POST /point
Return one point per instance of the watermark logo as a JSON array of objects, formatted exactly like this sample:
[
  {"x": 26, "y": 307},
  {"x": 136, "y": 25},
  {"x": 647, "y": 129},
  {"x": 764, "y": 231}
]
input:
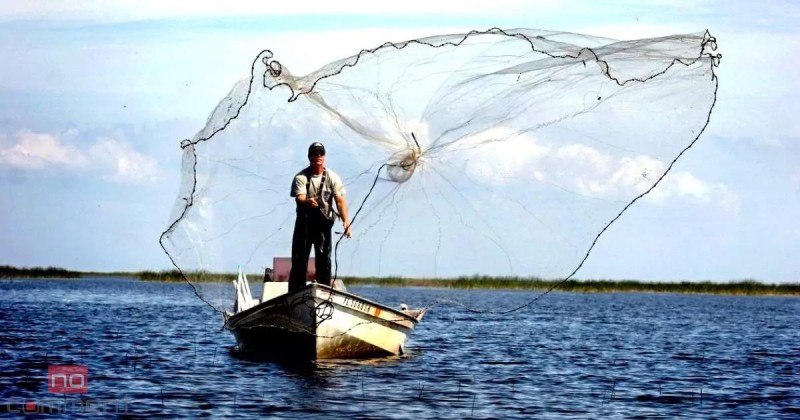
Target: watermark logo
[
  {"x": 67, "y": 379},
  {"x": 57, "y": 405}
]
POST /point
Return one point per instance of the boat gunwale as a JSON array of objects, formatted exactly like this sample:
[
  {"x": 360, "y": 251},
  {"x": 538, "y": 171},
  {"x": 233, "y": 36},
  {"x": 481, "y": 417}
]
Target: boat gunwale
[{"x": 235, "y": 318}]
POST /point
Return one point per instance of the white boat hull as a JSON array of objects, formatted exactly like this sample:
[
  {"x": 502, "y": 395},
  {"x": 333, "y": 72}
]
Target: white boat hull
[{"x": 318, "y": 322}]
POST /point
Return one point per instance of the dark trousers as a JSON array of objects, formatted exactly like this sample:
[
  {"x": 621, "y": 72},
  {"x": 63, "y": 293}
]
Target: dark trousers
[{"x": 310, "y": 228}]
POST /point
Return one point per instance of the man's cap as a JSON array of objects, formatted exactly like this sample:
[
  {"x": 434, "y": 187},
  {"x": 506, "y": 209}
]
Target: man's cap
[{"x": 316, "y": 147}]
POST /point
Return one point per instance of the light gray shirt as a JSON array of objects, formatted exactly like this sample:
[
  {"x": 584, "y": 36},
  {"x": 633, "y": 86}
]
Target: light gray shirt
[{"x": 333, "y": 188}]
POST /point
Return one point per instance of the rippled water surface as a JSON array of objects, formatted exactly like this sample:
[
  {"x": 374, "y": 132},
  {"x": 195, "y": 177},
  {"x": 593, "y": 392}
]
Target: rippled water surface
[{"x": 154, "y": 348}]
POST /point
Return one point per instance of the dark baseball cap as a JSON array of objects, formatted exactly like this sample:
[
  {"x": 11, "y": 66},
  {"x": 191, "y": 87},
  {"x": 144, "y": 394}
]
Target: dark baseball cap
[{"x": 316, "y": 147}]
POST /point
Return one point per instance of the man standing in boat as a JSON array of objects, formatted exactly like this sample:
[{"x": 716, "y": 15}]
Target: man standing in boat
[{"x": 314, "y": 189}]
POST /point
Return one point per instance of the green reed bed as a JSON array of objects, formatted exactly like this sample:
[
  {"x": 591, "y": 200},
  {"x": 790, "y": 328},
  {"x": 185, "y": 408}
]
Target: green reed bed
[
  {"x": 177, "y": 276},
  {"x": 7, "y": 271},
  {"x": 742, "y": 287},
  {"x": 194, "y": 276}
]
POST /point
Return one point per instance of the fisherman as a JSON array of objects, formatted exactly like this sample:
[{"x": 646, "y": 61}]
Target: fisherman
[{"x": 314, "y": 189}]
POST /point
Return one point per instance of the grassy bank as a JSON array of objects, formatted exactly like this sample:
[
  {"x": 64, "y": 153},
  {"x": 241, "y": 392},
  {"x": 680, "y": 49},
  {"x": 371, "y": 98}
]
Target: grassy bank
[
  {"x": 175, "y": 276},
  {"x": 7, "y": 271},
  {"x": 741, "y": 287},
  {"x": 196, "y": 276}
]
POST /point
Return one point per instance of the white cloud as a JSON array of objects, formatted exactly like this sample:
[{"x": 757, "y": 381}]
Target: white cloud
[
  {"x": 111, "y": 160},
  {"x": 35, "y": 151},
  {"x": 683, "y": 185},
  {"x": 689, "y": 186},
  {"x": 584, "y": 155},
  {"x": 126, "y": 164},
  {"x": 594, "y": 173},
  {"x": 637, "y": 174},
  {"x": 500, "y": 154}
]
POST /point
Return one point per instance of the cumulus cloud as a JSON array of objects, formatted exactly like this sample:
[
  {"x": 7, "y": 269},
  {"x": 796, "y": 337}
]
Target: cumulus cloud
[
  {"x": 597, "y": 174},
  {"x": 112, "y": 160},
  {"x": 40, "y": 150},
  {"x": 498, "y": 155},
  {"x": 683, "y": 186},
  {"x": 637, "y": 173},
  {"x": 122, "y": 163},
  {"x": 515, "y": 152}
]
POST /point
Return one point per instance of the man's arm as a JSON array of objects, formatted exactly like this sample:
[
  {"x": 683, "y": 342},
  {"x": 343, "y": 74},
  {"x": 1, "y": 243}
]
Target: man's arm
[
  {"x": 341, "y": 205},
  {"x": 299, "y": 192},
  {"x": 302, "y": 200}
]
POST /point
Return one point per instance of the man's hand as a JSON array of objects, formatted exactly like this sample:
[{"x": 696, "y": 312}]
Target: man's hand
[
  {"x": 312, "y": 202},
  {"x": 348, "y": 232}
]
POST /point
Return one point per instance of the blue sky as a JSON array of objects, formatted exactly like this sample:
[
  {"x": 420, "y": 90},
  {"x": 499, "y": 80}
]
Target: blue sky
[{"x": 95, "y": 99}]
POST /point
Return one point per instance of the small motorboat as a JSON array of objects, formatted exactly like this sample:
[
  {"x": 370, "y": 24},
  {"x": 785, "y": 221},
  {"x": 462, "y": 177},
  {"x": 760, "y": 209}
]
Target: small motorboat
[{"x": 315, "y": 322}]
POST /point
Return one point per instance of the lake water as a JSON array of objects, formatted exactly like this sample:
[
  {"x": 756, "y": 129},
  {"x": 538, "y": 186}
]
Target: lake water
[{"x": 154, "y": 348}]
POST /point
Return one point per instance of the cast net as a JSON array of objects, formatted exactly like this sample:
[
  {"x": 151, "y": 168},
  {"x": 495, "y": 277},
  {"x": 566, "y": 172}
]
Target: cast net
[{"x": 499, "y": 153}]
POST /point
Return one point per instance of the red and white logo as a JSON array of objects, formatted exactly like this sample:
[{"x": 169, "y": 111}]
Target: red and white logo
[{"x": 67, "y": 379}]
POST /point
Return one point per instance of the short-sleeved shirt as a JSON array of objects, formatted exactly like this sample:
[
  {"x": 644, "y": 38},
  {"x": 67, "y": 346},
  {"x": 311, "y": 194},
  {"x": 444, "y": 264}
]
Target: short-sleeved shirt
[{"x": 333, "y": 188}]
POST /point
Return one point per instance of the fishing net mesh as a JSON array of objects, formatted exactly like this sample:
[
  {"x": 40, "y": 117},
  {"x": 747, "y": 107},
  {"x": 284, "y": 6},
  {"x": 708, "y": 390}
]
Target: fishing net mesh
[{"x": 500, "y": 153}]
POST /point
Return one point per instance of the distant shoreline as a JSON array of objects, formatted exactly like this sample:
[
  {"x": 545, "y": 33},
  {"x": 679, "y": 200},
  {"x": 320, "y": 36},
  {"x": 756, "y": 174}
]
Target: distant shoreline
[{"x": 738, "y": 287}]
